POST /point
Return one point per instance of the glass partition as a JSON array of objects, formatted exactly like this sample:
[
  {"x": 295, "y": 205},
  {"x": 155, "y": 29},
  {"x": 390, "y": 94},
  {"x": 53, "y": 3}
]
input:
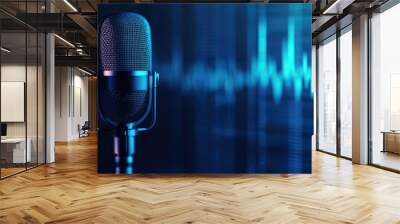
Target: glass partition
[
  {"x": 22, "y": 89},
  {"x": 14, "y": 145}
]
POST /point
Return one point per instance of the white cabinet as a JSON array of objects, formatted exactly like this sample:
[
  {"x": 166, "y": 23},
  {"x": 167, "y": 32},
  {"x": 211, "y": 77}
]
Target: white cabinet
[{"x": 19, "y": 155}]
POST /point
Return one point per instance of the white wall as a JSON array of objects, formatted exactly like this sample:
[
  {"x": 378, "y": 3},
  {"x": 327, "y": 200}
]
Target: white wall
[
  {"x": 62, "y": 82},
  {"x": 80, "y": 111},
  {"x": 71, "y": 102}
]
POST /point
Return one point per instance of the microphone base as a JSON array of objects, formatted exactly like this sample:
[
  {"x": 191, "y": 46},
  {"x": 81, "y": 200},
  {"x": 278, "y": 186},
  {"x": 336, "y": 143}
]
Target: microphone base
[{"x": 124, "y": 150}]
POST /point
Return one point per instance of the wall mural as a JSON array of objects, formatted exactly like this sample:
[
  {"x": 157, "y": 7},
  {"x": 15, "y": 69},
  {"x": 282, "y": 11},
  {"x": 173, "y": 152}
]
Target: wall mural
[{"x": 204, "y": 88}]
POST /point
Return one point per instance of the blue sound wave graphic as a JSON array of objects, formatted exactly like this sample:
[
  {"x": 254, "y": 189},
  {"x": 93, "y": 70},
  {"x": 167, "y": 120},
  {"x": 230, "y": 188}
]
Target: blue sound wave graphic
[
  {"x": 235, "y": 89},
  {"x": 293, "y": 75}
]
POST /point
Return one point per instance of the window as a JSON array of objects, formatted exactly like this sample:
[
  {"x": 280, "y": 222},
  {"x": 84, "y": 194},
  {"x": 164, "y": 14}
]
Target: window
[
  {"x": 346, "y": 92},
  {"x": 327, "y": 96},
  {"x": 385, "y": 89}
]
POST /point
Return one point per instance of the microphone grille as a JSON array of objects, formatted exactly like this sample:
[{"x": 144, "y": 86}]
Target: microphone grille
[{"x": 125, "y": 43}]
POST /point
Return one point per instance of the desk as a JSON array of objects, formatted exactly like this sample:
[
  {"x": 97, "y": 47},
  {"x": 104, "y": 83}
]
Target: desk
[
  {"x": 391, "y": 141},
  {"x": 16, "y": 147}
]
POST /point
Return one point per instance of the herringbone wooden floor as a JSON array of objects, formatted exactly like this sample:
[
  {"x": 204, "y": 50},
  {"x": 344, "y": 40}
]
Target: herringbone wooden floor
[{"x": 70, "y": 191}]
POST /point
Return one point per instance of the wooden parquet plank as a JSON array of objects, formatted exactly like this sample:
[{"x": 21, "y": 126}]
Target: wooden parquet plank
[{"x": 70, "y": 191}]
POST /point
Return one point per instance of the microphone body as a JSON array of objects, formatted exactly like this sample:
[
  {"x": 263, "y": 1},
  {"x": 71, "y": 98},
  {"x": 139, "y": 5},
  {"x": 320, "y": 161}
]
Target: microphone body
[{"x": 127, "y": 84}]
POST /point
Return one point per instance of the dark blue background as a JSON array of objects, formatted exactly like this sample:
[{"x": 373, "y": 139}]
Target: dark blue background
[{"x": 235, "y": 89}]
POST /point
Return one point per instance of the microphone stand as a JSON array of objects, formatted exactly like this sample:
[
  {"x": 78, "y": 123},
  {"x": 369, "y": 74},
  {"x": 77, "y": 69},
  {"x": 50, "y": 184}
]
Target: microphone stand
[{"x": 124, "y": 153}]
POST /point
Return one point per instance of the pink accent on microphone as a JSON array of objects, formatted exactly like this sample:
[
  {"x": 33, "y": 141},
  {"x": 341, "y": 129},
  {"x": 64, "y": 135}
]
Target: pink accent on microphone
[
  {"x": 116, "y": 145},
  {"x": 108, "y": 73}
]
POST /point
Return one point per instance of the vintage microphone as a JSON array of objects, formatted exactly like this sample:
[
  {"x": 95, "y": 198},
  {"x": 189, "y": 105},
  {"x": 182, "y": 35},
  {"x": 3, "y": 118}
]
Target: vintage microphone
[{"x": 127, "y": 83}]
